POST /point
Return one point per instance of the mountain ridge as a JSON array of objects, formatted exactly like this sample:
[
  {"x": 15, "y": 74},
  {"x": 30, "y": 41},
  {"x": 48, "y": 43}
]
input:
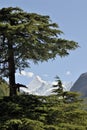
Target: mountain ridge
[
  {"x": 80, "y": 85},
  {"x": 40, "y": 87}
]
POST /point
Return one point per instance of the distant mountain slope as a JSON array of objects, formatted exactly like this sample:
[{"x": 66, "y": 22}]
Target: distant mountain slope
[
  {"x": 81, "y": 85},
  {"x": 4, "y": 90}
]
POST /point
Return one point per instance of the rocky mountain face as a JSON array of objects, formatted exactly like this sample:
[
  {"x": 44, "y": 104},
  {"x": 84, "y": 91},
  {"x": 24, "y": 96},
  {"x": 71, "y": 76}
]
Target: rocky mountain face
[{"x": 81, "y": 85}]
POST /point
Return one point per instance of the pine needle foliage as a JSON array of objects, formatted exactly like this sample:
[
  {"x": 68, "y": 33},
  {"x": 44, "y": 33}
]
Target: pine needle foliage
[
  {"x": 32, "y": 112},
  {"x": 28, "y": 37}
]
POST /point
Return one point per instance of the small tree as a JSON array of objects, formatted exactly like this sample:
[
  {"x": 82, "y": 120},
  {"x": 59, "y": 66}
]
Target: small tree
[
  {"x": 67, "y": 96},
  {"x": 27, "y": 36},
  {"x": 58, "y": 87}
]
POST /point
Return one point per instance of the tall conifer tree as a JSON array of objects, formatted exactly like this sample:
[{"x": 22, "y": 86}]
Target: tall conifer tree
[{"x": 28, "y": 36}]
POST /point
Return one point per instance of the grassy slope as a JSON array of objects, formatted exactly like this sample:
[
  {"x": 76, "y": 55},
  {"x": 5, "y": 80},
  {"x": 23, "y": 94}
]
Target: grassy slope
[{"x": 4, "y": 90}]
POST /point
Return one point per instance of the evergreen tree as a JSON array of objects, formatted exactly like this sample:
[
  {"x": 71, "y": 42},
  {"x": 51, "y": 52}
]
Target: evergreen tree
[
  {"x": 32, "y": 112},
  {"x": 58, "y": 87},
  {"x": 67, "y": 96},
  {"x": 28, "y": 36}
]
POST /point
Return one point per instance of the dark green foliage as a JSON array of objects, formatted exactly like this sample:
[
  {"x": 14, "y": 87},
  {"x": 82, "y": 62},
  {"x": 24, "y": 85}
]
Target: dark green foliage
[
  {"x": 29, "y": 112},
  {"x": 28, "y": 36},
  {"x": 68, "y": 97},
  {"x": 58, "y": 88},
  {"x": 68, "y": 126},
  {"x": 23, "y": 124}
]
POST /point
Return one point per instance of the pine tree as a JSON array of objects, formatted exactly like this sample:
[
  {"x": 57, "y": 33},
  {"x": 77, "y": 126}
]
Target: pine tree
[
  {"x": 58, "y": 87},
  {"x": 28, "y": 36}
]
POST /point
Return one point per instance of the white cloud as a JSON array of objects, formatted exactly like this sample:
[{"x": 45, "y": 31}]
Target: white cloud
[
  {"x": 23, "y": 73},
  {"x": 68, "y": 73},
  {"x": 28, "y": 74}
]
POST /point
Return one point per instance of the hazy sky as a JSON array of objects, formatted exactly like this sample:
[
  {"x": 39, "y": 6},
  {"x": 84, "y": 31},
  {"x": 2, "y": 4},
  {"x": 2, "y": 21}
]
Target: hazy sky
[{"x": 71, "y": 16}]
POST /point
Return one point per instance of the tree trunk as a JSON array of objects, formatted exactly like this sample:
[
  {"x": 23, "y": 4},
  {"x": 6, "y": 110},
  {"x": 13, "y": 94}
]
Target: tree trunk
[{"x": 11, "y": 69}]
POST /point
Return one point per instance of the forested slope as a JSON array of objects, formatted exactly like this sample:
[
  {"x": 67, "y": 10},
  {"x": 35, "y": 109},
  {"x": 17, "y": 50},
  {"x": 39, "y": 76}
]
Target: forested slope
[
  {"x": 4, "y": 89},
  {"x": 30, "y": 112}
]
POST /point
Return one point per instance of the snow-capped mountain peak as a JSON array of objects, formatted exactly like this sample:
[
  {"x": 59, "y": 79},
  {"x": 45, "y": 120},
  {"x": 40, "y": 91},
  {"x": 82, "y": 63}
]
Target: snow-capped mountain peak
[{"x": 40, "y": 87}]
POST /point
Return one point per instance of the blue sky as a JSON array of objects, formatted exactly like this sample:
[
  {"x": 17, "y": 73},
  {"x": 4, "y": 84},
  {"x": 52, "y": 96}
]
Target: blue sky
[{"x": 71, "y": 16}]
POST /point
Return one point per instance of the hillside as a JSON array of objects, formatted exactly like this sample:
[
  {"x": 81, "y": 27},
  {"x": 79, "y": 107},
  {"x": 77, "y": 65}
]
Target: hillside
[
  {"x": 29, "y": 112},
  {"x": 32, "y": 112},
  {"x": 4, "y": 90},
  {"x": 81, "y": 85}
]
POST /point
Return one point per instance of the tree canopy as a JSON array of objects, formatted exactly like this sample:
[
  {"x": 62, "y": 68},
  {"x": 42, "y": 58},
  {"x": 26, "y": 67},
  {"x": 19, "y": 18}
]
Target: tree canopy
[
  {"x": 28, "y": 36},
  {"x": 32, "y": 112}
]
